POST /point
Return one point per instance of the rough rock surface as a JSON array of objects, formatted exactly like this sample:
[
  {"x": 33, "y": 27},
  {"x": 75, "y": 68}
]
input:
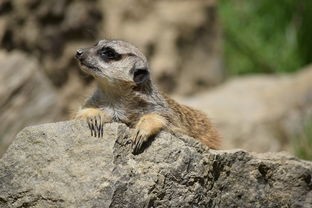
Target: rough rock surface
[
  {"x": 61, "y": 165},
  {"x": 27, "y": 96},
  {"x": 259, "y": 113}
]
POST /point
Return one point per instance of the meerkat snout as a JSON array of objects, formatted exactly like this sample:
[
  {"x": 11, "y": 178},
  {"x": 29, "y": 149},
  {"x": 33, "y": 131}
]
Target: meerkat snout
[{"x": 79, "y": 52}]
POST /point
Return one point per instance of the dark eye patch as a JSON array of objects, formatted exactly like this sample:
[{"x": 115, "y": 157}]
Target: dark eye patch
[{"x": 109, "y": 54}]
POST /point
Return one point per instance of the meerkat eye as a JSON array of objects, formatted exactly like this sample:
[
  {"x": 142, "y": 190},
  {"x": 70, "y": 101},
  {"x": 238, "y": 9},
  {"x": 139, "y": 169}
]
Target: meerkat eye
[{"x": 108, "y": 53}]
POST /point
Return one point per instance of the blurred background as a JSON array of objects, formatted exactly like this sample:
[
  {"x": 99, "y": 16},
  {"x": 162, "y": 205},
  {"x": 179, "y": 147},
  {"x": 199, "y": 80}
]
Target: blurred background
[{"x": 244, "y": 62}]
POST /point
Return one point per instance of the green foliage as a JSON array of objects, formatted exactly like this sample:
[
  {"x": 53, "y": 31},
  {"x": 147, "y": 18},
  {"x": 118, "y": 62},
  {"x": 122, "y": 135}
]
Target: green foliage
[
  {"x": 266, "y": 36},
  {"x": 303, "y": 144}
]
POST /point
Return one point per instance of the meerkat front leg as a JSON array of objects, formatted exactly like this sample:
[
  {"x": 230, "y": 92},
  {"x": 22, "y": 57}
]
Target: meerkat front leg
[
  {"x": 148, "y": 125},
  {"x": 95, "y": 118}
]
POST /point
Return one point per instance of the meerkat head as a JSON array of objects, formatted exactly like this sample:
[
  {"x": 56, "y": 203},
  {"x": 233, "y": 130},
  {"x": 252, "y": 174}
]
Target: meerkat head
[{"x": 114, "y": 61}]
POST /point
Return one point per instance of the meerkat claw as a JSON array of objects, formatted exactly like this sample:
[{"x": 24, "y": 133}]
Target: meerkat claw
[
  {"x": 95, "y": 118},
  {"x": 137, "y": 141},
  {"x": 96, "y": 126},
  {"x": 99, "y": 126},
  {"x": 90, "y": 122}
]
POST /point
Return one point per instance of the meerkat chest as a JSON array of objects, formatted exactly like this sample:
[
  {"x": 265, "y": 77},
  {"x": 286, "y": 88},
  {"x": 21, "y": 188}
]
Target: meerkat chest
[
  {"x": 122, "y": 114},
  {"x": 124, "y": 110},
  {"x": 117, "y": 114}
]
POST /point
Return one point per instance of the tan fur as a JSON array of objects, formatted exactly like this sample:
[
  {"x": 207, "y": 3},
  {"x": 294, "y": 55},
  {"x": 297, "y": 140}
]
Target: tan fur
[
  {"x": 151, "y": 123},
  {"x": 85, "y": 113},
  {"x": 124, "y": 96},
  {"x": 196, "y": 124},
  {"x": 148, "y": 125}
]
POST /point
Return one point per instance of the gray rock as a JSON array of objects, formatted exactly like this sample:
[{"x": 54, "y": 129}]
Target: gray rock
[
  {"x": 27, "y": 96},
  {"x": 61, "y": 165},
  {"x": 261, "y": 112}
]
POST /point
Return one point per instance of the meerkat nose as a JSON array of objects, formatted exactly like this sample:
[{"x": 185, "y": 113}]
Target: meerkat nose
[{"x": 79, "y": 53}]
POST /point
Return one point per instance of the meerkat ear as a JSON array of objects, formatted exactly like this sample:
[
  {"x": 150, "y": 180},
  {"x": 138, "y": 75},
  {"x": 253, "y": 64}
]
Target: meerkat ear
[{"x": 140, "y": 75}]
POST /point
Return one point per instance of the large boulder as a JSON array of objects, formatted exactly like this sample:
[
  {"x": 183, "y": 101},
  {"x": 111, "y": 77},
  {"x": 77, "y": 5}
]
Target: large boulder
[
  {"x": 261, "y": 112},
  {"x": 61, "y": 165},
  {"x": 27, "y": 96}
]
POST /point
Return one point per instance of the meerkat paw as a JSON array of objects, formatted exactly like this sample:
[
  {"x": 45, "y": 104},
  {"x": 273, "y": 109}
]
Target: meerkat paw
[
  {"x": 96, "y": 126},
  {"x": 148, "y": 125},
  {"x": 95, "y": 119},
  {"x": 138, "y": 138}
]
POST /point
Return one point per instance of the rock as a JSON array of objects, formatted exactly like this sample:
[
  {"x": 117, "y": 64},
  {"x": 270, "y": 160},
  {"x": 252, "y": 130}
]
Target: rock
[
  {"x": 261, "y": 112},
  {"x": 46, "y": 29},
  {"x": 61, "y": 165},
  {"x": 26, "y": 96}
]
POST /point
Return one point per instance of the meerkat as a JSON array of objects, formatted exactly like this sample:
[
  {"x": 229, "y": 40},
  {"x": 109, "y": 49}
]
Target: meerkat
[{"x": 125, "y": 93}]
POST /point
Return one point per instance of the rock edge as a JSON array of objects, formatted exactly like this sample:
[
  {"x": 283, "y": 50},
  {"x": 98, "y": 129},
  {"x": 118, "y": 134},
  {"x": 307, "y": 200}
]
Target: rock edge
[{"x": 61, "y": 165}]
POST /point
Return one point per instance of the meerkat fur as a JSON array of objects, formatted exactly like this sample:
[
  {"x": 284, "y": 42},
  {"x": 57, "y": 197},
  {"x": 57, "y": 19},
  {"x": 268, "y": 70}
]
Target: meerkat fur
[{"x": 125, "y": 93}]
